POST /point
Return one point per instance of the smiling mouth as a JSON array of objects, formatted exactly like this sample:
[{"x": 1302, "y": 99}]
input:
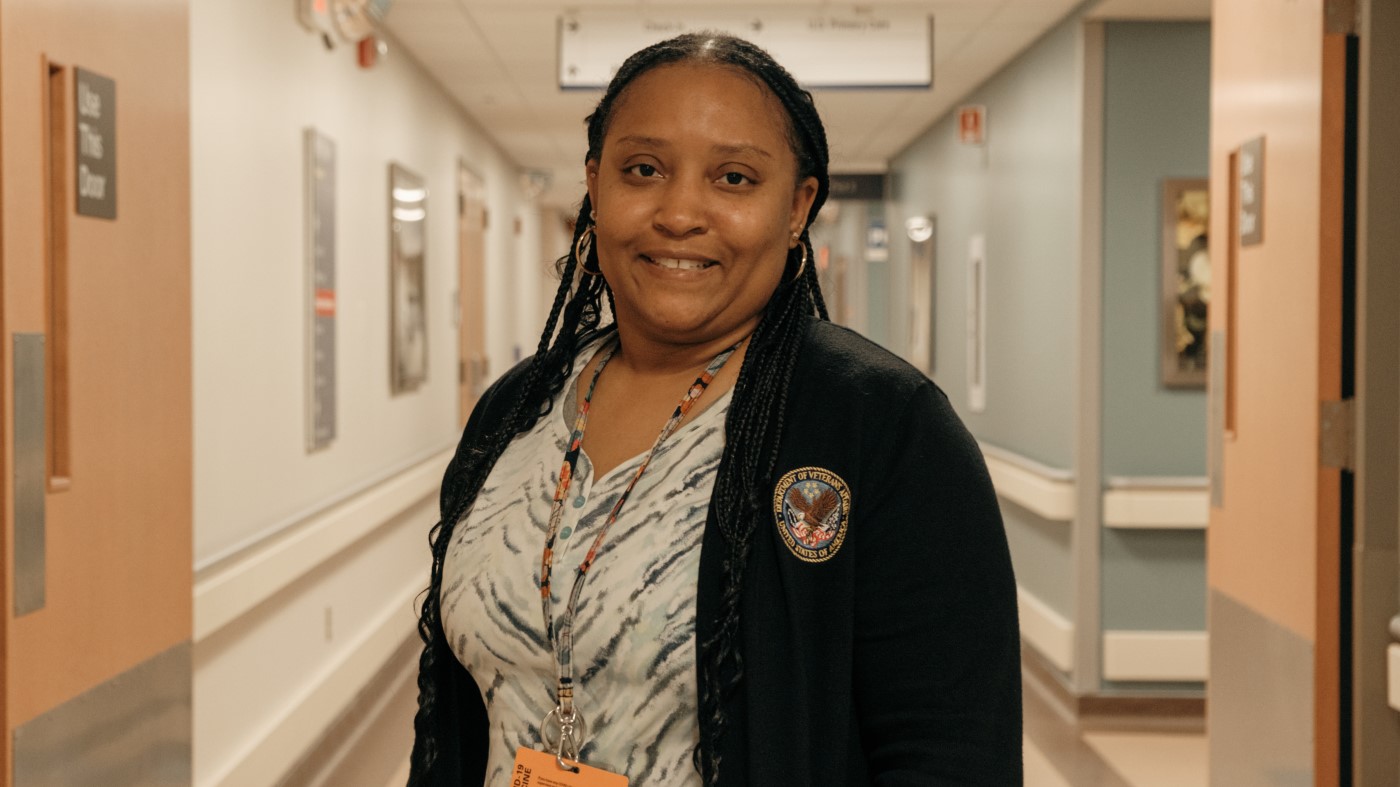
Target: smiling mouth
[{"x": 671, "y": 263}]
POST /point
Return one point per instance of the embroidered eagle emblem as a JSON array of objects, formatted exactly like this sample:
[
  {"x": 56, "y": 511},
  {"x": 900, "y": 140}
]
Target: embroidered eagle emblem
[{"x": 812, "y": 507}]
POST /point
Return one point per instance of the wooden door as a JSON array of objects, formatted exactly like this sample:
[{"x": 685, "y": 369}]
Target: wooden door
[
  {"x": 1278, "y": 142},
  {"x": 473, "y": 367},
  {"x": 96, "y": 415}
]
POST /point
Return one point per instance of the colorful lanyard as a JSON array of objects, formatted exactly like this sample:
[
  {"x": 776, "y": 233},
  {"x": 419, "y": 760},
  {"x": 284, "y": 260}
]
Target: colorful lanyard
[{"x": 562, "y": 729}]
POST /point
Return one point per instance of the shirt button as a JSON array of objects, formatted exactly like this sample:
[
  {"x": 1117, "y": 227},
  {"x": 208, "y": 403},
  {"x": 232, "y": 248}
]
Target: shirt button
[
  {"x": 578, "y": 502},
  {"x": 566, "y": 532}
]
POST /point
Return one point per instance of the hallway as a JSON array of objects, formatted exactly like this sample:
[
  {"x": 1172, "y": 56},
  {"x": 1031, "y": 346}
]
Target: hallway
[
  {"x": 261, "y": 259},
  {"x": 1059, "y": 754}
]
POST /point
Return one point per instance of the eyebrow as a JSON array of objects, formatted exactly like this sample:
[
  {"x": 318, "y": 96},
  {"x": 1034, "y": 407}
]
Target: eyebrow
[{"x": 728, "y": 150}]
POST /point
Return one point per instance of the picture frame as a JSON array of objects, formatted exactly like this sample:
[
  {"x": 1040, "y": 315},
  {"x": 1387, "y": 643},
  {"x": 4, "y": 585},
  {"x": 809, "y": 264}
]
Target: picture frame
[
  {"x": 1185, "y": 301},
  {"x": 408, "y": 324}
]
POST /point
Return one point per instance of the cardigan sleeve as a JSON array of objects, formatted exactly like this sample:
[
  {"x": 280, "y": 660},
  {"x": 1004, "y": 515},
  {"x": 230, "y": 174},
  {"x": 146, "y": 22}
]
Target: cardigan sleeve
[{"x": 937, "y": 646}]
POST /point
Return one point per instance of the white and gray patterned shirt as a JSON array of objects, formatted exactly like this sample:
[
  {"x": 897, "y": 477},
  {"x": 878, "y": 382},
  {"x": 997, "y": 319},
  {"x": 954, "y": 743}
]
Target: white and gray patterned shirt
[{"x": 634, "y": 637}]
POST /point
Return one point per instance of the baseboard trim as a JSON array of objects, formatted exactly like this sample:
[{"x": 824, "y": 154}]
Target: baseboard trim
[
  {"x": 1165, "y": 711},
  {"x": 1169, "y": 656},
  {"x": 289, "y": 736},
  {"x": 371, "y": 723}
]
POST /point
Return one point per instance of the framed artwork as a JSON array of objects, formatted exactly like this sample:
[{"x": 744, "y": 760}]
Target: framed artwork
[
  {"x": 408, "y": 325},
  {"x": 1185, "y": 283}
]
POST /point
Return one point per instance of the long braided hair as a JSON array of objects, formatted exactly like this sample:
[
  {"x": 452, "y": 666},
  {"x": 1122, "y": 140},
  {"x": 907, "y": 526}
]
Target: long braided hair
[{"x": 757, "y": 408}]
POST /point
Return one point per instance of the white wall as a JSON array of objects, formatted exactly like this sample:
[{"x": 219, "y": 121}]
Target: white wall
[
  {"x": 298, "y": 601},
  {"x": 258, "y": 79}
]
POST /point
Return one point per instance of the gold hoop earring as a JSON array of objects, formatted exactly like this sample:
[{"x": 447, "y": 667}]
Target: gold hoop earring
[
  {"x": 802, "y": 267},
  {"x": 581, "y": 250}
]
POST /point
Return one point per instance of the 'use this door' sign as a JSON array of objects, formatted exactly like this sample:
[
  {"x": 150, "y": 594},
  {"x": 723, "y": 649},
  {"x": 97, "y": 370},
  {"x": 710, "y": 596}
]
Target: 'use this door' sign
[{"x": 96, "y": 115}]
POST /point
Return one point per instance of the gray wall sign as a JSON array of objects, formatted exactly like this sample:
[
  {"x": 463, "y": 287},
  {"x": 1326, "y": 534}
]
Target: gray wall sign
[
  {"x": 320, "y": 285},
  {"x": 862, "y": 186},
  {"x": 96, "y": 100},
  {"x": 1251, "y": 175}
]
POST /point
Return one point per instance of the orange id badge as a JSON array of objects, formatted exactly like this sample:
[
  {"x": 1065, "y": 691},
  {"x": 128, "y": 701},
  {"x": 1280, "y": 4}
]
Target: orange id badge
[{"x": 539, "y": 769}]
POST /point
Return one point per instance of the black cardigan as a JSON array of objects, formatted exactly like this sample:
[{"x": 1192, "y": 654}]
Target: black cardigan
[{"x": 892, "y": 661}]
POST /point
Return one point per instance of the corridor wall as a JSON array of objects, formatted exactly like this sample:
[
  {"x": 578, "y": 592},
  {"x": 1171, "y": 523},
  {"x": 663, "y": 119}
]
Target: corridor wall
[
  {"x": 842, "y": 228},
  {"x": 1156, "y": 127},
  {"x": 308, "y": 563},
  {"x": 1019, "y": 191},
  {"x": 1105, "y": 534}
]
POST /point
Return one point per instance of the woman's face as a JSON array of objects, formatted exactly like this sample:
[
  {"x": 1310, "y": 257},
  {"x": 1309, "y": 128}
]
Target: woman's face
[{"x": 697, "y": 200}]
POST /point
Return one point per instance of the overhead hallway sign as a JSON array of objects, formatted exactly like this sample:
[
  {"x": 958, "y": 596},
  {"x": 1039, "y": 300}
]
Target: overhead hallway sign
[{"x": 823, "y": 48}]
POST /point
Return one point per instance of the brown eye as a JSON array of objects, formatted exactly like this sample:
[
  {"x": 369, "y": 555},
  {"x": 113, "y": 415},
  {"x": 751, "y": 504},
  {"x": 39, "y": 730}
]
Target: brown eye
[
  {"x": 735, "y": 179},
  {"x": 643, "y": 170}
]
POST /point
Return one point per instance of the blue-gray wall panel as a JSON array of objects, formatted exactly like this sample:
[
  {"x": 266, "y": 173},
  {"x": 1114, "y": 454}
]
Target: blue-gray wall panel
[
  {"x": 1021, "y": 191},
  {"x": 1154, "y": 580},
  {"x": 1156, "y": 126},
  {"x": 1041, "y": 555}
]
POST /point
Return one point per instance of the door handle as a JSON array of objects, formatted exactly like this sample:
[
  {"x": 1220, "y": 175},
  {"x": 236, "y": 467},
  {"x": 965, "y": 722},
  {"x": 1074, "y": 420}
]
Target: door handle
[{"x": 57, "y": 182}]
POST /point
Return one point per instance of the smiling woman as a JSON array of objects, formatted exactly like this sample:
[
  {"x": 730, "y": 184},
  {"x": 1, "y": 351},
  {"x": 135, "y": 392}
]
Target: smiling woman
[
  {"x": 699, "y": 202},
  {"x": 795, "y": 575}
]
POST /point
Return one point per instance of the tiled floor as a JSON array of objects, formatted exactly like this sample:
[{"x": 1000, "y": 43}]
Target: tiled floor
[{"x": 1057, "y": 754}]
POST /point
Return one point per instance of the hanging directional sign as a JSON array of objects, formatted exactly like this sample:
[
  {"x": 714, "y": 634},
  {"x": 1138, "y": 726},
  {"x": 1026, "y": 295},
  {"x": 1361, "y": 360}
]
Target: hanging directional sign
[{"x": 823, "y": 47}]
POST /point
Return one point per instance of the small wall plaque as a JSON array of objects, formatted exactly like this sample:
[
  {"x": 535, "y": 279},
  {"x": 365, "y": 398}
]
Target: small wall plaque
[
  {"x": 96, "y": 142},
  {"x": 1251, "y": 163},
  {"x": 972, "y": 125}
]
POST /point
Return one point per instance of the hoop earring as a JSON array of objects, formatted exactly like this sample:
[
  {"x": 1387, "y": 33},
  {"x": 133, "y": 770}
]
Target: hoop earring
[
  {"x": 582, "y": 249},
  {"x": 802, "y": 267}
]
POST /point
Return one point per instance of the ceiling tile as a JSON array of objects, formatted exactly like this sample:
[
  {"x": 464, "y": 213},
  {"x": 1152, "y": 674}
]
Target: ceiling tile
[{"x": 498, "y": 59}]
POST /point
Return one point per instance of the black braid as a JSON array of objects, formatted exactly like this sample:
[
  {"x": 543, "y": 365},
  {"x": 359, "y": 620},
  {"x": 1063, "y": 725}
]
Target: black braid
[
  {"x": 576, "y": 314},
  {"x": 753, "y": 425}
]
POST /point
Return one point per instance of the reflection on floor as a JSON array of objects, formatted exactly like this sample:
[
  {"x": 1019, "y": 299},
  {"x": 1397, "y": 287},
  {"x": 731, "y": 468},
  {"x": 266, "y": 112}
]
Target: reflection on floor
[{"x": 1058, "y": 754}]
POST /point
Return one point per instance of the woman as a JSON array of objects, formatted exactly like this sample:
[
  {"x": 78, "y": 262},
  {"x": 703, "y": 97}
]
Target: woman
[{"x": 797, "y": 575}]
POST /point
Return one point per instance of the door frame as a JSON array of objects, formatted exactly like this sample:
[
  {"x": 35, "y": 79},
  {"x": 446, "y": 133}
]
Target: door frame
[
  {"x": 1375, "y": 560},
  {"x": 472, "y": 360}
]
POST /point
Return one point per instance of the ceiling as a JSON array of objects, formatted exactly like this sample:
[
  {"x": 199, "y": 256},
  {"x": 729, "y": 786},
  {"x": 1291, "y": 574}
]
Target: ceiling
[{"x": 497, "y": 59}]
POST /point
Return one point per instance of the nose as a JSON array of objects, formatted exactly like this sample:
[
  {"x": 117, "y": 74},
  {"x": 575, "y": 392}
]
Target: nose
[{"x": 681, "y": 209}]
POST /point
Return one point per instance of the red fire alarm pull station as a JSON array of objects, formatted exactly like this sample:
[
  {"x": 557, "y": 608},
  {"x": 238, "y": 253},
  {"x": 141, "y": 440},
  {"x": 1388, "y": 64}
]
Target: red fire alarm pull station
[
  {"x": 370, "y": 49},
  {"x": 972, "y": 125}
]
